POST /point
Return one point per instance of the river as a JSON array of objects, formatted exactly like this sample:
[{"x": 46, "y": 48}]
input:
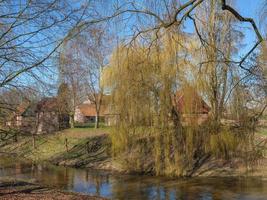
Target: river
[{"x": 116, "y": 186}]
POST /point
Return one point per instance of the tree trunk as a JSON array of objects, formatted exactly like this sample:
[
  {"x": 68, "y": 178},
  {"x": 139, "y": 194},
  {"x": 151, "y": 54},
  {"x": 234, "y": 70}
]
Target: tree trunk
[
  {"x": 71, "y": 121},
  {"x": 97, "y": 120},
  {"x": 33, "y": 141},
  {"x": 36, "y": 129}
]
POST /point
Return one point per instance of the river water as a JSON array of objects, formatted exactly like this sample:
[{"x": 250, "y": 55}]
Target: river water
[{"x": 115, "y": 186}]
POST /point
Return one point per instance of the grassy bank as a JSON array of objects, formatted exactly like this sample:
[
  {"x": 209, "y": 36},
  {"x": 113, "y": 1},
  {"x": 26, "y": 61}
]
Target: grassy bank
[
  {"x": 262, "y": 131},
  {"x": 76, "y": 147},
  {"x": 86, "y": 147}
]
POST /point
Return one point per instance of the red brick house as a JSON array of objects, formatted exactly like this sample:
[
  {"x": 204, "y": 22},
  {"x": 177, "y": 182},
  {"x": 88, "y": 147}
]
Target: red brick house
[
  {"x": 188, "y": 103},
  {"x": 38, "y": 117},
  {"x": 86, "y": 113},
  {"x": 48, "y": 119},
  {"x": 23, "y": 117},
  {"x": 191, "y": 106}
]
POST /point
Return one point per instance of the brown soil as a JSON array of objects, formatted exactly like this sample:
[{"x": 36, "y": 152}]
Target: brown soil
[{"x": 20, "y": 190}]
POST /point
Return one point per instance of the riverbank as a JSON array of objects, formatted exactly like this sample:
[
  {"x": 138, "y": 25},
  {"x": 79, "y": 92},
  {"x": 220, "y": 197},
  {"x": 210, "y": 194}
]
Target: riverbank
[
  {"x": 90, "y": 148},
  {"x": 78, "y": 147},
  {"x": 22, "y": 190}
]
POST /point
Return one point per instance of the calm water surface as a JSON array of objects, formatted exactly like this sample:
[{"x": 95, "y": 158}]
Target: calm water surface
[{"x": 135, "y": 187}]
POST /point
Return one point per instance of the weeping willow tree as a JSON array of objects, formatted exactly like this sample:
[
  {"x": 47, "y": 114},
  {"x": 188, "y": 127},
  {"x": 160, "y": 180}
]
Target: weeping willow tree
[
  {"x": 157, "y": 82},
  {"x": 142, "y": 82},
  {"x": 151, "y": 135}
]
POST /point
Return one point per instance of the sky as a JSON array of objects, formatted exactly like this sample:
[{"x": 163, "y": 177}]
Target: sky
[
  {"x": 250, "y": 8},
  {"x": 247, "y": 8}
]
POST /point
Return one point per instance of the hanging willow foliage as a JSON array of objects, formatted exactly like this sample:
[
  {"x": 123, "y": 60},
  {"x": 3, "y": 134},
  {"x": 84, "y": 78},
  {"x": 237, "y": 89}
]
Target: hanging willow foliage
[{"x": 152, "y": 134}]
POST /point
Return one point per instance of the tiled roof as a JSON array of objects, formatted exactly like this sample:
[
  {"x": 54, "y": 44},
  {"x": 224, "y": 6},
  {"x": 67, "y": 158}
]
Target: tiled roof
[
  {"x": 190, "y": 102},
  {"x": 89, "y": 109},
  {"x": 47, "y": 104}
]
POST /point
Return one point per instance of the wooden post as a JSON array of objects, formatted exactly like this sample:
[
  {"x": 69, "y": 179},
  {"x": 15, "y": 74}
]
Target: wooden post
[
  {"x": 87, "y": 147},
  {"x": 15, "y": 136},
  {"x": 33, "y": 141},
  {"x": 66, "y": 144}
]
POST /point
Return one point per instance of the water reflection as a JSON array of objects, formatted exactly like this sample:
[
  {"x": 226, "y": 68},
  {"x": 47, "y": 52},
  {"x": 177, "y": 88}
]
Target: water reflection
[{"x": 135, "y": 187}]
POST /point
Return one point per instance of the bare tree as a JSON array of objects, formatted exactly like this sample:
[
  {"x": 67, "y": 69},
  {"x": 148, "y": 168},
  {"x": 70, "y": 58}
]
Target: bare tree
[
  {"x": 95, "y": 55},
  {"x": 30, "y": 32},
  {"x": 82, "y": 62},
  {"x": 220, "y": 41},
  {"x": 72, "y": 73}
]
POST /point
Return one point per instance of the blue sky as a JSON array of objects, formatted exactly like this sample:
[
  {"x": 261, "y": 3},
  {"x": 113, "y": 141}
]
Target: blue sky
[
  {"x": 247, "y": 8},
  {"x": 250, "y": 8}
]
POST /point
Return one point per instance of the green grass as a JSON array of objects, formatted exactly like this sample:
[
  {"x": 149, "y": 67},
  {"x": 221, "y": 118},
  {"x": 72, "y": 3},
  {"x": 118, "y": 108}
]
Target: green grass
[
  {"x": 50, "y": 145},
  {"x": 262, "y": 131},
  {"x": 89, "y": 125}
]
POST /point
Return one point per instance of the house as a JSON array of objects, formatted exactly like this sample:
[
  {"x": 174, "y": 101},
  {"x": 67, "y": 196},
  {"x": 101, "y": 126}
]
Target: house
[
  {"x": 187, "y": 102},
  {"x": 22, "y": 117},
  {"x": 191, "y": 106},
  {"x": 39, "y": 117},
  {"x": 26, "y": 117},
  {"x": 86, "y": 112},
  {"x": 48, "y": 119}
]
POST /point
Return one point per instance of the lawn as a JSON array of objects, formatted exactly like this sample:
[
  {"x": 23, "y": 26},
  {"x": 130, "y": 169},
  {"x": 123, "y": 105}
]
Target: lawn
[
  {"x": 84, "y": 132},
  {"x": 262, "y": 131},
  {"x": 50, "y": 145}
]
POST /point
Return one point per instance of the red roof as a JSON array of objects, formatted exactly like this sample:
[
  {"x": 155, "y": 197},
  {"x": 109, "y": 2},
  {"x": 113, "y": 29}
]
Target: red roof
[
  {"x": 47, "y": 104},
  {"x": 187, "y": 102},
  {"x": 89, "y": 109},
  {"x": 22, "y": 107},
  {"x": 190, "y": 102}
]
